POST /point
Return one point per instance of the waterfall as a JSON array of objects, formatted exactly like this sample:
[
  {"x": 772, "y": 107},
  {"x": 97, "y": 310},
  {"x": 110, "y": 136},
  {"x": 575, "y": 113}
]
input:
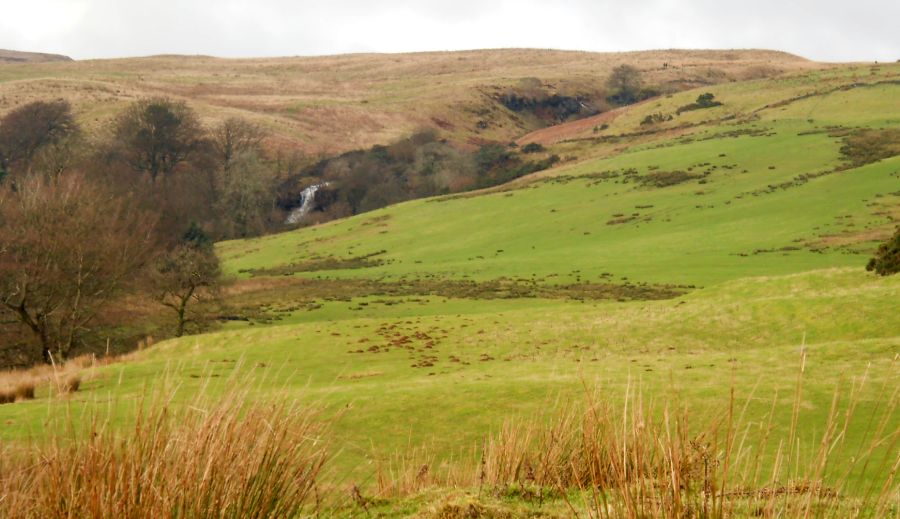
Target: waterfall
[{"x": 307, "y": 198}]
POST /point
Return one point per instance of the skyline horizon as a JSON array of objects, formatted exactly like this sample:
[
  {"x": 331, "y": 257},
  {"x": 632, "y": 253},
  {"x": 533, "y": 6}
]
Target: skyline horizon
[
  {"x": 440, "y": 51},
  {"x": 823, "y": 30}
]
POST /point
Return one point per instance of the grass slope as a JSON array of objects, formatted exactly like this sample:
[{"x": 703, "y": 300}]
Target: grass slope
[
  {"x": 427, "y": 372},
  {"x": 741, "y": 212}
]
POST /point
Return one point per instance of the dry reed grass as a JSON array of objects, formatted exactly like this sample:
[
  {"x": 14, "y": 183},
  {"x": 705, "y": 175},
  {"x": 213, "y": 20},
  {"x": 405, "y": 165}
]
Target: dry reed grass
[
  {"x": 604, "y": 458},
  {"x": 58, "y": 379},
  {"x": 636, "y": 460},
  {"x": 224, "y": 459}
]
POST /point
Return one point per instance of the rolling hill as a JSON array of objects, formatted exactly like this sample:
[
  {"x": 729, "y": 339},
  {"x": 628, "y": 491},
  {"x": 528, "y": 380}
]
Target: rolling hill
[{"x": 337, "y": 103}]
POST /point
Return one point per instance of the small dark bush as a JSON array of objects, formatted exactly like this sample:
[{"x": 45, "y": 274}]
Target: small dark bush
[
  {"x": 706, "y": 100},
  {"x": 887, "y": 257},
  {"x": 532, "y": 147},
  {"x": 655, "y": 118},
  {"x": 491, "y": 156}
]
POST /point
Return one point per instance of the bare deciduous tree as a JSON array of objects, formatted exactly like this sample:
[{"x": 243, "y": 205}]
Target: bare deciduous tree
[
  {"x": 189, "y": 272},
  {"x": 235, "y": 137},
  {"x": 67, "y": 249}
]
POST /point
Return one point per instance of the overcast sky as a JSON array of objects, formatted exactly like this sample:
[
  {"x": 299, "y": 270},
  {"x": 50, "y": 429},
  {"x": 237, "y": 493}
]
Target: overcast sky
[{"x": 828, "y": 30}]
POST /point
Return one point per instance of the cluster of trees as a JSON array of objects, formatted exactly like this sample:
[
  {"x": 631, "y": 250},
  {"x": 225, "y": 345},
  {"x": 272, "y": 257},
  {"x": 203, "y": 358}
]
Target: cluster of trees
[
  {"x": 90, "y": 222},
  {"x": 363, "y": 180},
  {"x": 219, "y": 177},
  {"x": 86, "y": 225},
  {"x": 420, "y": 166}
]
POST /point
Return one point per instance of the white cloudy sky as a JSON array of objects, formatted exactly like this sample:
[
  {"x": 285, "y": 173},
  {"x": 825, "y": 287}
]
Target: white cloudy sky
[{"x": 831, "y": 30}]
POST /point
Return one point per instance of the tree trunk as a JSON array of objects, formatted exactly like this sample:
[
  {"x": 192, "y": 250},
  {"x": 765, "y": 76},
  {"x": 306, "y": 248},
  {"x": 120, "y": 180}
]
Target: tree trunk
[
  {"x": 36, "y": 328},
  {"x": 180, "y": 331},
  {"x": 182, "y": 310}
]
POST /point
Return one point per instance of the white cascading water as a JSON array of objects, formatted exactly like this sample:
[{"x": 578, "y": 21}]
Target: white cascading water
[{"x": 307, "y": 197}]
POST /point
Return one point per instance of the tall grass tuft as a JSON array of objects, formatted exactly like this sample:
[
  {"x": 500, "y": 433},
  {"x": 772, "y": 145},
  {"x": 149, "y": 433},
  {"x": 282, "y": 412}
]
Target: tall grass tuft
[
  {"x": 228, "y": 459},
  {"x": 634, "y": 460},
  {"x": 625, "y": 457},
  {"x": 69, "y": 385}
]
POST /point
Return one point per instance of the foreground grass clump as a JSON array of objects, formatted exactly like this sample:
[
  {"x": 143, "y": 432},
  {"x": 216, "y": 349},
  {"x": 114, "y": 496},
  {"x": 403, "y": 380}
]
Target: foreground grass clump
[
  {"x": 633, "y": 459},
  {"x": 229, "y": 459},
  {"x": 630, "y": 462},
  {"x": 609, "y": 456}
]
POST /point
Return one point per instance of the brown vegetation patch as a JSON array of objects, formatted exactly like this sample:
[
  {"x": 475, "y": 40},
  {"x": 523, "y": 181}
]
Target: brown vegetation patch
[
  {"x": 69, "y": 385},
  {"x": 313, "y": 265},
  {"x": 54, "y": 379},
  {"x": 469, "y": 507},
  {"x": 797, "y": 181},
  {"x": 634, "y": 456},
  {"x": 20, "y": 391},
  {"x": 250, "y": 299},
  {"x": 847, "y": 239},
  {"x": 870, "y": 145}
]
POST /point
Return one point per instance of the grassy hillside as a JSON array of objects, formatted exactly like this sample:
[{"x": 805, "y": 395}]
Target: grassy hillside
[
  {"x": 336, "y": 103},
  {"x": 744, "y": 189},
  {"x": 720, "y": 251}
]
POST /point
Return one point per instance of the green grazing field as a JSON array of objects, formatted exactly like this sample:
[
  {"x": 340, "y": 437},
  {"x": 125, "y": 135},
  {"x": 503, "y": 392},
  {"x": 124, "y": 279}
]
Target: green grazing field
[
  {"x": 754, "y": 197},
  {"x": 689, "y": 258}
]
